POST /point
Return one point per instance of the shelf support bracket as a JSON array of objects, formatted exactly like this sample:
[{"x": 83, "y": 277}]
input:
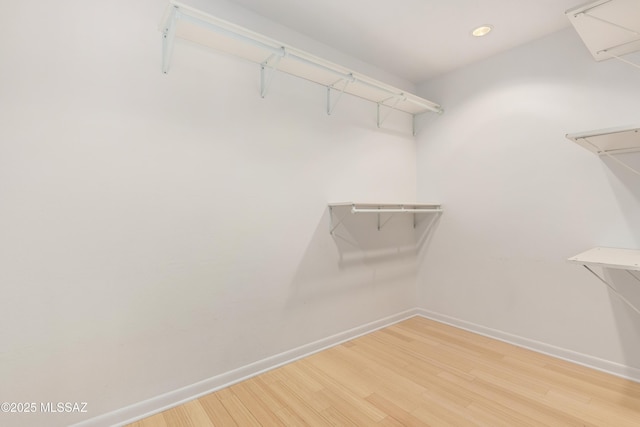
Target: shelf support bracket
[
  {"x": 626, "y": 61},
  {"x": 614, "y": 290},
  {"x": 168, "y": 37},
  {"x": 267, "y": 70},
  {"x": 382, "y": 224},
  {"x": 345, "y": 83},
  {"x": 381, "y": 118},
  {"x": 334, "y": 224},
  {"x": 436, "y": 212},
  {"x": 612, "y": 157},
  {"x": 414, "y": 123}
]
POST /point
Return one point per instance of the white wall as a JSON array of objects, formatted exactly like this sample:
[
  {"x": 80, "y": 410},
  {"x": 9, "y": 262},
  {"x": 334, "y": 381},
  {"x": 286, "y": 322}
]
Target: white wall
[
  {"x": 520, "y": 199},
  {"x": 158, "y": 230}
]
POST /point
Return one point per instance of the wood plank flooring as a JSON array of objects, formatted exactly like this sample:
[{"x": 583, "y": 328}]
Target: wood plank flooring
[{"x": 418, "y": 373}]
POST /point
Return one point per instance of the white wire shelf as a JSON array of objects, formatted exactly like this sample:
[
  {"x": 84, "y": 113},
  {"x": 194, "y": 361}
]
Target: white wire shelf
[
  {"x": 609, "y": 142},
  {"x": 613, "y": 140},
  {"x": 379, "y": 209},
  {"x": 625, "y": 259},
  {"x": 185, "y": 22},
  {"x": 390, "y": 207},
  {"x": 616, "y": 258},
  {"x": 608, "y": 28}
]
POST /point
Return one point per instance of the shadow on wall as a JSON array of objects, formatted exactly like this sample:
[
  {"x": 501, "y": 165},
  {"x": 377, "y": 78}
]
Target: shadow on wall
[
  {"x": 377, "y": 237},
  {"x": 367, "y": 238},
  {"x": 354, "y": 251},
  {"x": 626, "y": 310},
  {"x": 626, "y": 167},
  {"x": 625, "y": 282}
]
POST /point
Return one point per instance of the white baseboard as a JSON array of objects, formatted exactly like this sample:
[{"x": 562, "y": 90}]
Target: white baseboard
[
  {"x": 613, "y": 368},
  {"x": 174, "y": 398}
]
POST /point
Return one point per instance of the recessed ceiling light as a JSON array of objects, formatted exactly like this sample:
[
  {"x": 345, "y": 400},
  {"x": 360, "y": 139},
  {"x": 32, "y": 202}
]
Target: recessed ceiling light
[{"x": 482, "y": 30}]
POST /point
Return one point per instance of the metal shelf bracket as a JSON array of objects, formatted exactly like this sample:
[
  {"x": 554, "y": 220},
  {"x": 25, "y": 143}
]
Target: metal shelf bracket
[
  {"x": 336, "y": 85},
  {"x": 586, "y": 13},
  {"x": 626, "y": 61},
  {"x": 268, "y": 69},
  {"x": 614, "y": 290},
  {"x": 334, "y": 224},
  {"x": 382, "y": 117},
  {"x": 611, "y": 156},
  {"x": 613, "y": 24},
  {"x": 414, "y": 123},
  {"x": 380, "y": 225},
  {"x": 168, "y": 37}
]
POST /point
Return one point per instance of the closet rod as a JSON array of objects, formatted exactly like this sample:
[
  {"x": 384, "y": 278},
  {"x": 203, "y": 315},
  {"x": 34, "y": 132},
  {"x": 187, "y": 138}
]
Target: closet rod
[{"x": 399, "y": 210}]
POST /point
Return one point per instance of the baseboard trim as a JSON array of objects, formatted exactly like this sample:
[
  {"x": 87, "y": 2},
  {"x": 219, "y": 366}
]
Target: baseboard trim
[
  {"x": 177, "y": 397},
  {"x": 609, "y": 367}
]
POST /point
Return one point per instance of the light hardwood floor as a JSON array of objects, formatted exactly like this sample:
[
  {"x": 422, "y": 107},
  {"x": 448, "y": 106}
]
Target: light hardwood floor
[{"x": 418, "y": 373}]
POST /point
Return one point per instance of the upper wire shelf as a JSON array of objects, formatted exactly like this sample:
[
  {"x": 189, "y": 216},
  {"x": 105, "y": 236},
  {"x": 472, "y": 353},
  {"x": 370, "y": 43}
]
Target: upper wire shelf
[
  {"x": 185, "y": 22},
  {"x": 608, "y": 28}
]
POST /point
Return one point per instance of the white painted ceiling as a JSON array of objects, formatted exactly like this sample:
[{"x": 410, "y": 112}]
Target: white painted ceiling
[{"x": 417, "y": 39}]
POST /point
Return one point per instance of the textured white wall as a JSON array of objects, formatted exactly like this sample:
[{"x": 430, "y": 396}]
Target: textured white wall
[
  {"x": 520, "y": 198},
  {"x": 157, "y": 230}
]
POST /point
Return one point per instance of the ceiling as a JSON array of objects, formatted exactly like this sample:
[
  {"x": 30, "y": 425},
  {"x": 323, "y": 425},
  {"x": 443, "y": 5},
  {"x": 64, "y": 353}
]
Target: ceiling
[{"x": 417, "y": 39}]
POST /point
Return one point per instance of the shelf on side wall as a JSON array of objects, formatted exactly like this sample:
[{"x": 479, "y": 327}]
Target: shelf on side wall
[
  {"x": 609, "y": 142},
  {"x": 616, "y": 140},
  {"x": 616, "y": 258},
  {"x": 608, "y": 28},
  {"x": 625, "y": 259}
]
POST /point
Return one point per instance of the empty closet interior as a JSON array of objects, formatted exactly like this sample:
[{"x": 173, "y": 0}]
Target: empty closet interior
[{"x": 195, "y": 192}]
